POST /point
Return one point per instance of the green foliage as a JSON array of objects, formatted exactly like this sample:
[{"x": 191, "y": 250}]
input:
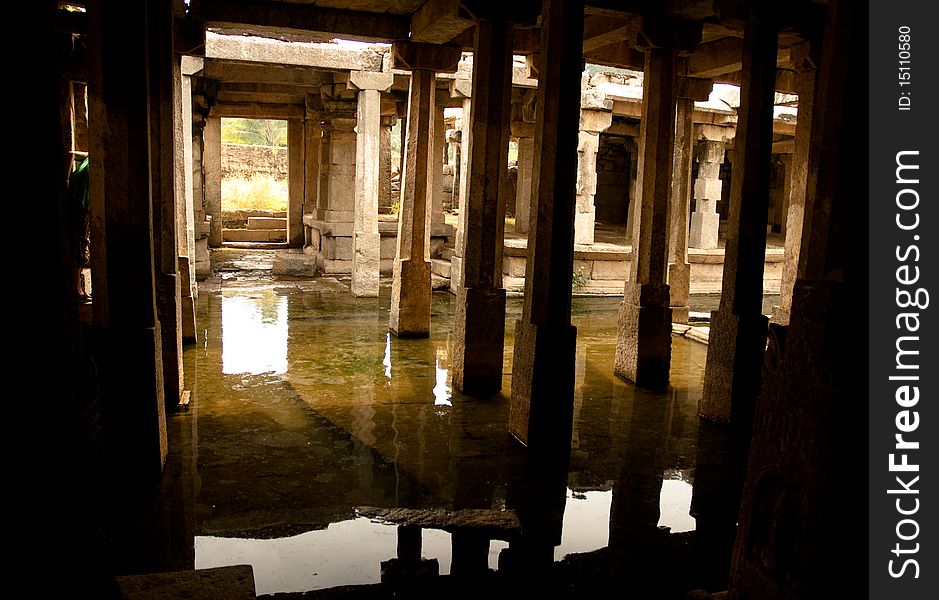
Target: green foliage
[
  {"x": 255, "y": 132},
  {"x": 579, "y": 278}
]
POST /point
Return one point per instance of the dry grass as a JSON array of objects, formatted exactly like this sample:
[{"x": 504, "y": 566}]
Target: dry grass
[{"x": 260, "y": 192}]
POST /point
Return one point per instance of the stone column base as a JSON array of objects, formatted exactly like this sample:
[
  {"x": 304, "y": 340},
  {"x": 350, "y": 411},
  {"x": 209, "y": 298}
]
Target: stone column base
[
  {"x": 366, "y": 263},
  {"x": 679, "y": 286},
  {"x": 542, "y": 404},
  {"x": 644, "y": 338},
  {"x": 480, "y": 340},
  {"x": 704, "y": 230},
  {"x": 733, "y": 372},
  {"x": 410, "y": 299},
  {"x": 584, "y": 226}
]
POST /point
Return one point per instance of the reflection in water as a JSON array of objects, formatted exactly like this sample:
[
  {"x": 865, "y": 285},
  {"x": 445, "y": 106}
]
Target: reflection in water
[
  {"x": 254, "y": 334},
  {"x": 442, "y": 392},
  {"x": 348, "y": 552},
  {"x": 386, "y": 361},
  {"x": 586, "y": 522},
  {"x": 675, "y": 502},
  {"x": 286, "y": 453}
]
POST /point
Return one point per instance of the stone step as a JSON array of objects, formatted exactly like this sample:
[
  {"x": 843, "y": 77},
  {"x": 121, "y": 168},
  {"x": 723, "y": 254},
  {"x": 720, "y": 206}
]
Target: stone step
[
  {"x": 440, "y": 267},
  {"x": 267, "y": 223},
  {"x": 447, "y": 253},
  {"x": 254, "y": 235}
]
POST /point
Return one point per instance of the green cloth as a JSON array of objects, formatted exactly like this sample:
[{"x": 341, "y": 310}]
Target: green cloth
[{"x": 78, "y": 185}]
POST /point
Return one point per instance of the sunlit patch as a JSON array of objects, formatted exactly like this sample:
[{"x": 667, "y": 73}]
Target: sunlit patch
[
  {"x": 387, "y": 359},
  {"x": 675, "y": 502},
  {"x": 586, "y": 522},
  {"x": 345, "y": 553},
  {"x": 254, "y": 335},
  {"x": 442, "y": 392}
]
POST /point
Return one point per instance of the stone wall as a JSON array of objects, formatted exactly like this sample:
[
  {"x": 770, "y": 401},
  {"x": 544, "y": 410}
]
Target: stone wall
[{"x": 241, "y": 160}]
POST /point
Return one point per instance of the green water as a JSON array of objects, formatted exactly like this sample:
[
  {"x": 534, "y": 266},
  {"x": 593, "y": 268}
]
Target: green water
[{"x": 304, "y": 408}]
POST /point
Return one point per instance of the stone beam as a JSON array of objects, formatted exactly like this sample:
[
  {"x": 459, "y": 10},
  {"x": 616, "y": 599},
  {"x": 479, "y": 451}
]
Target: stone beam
[
  {"x": 724, "y": 56},
  {"x": 227, "y": 96},
  {"x": 286, "y": 16},
  {"x": 601, "y": 31},
  {"x": 256, "y": 110},
  {"x": 439, "y": 21},
  {"x": 244, "y": 87},
  {"x": 620, "y": 54},
  {"x": 410, "y": 56},
  {"x": 232, "y": 72},
  {"x": 319, "y": 55}
]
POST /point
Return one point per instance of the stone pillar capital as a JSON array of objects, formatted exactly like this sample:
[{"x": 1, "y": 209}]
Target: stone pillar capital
[{"x": 595, "y": 121}]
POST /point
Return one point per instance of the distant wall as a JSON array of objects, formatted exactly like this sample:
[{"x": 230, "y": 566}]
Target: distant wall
[{"x": 239, "y": 160}]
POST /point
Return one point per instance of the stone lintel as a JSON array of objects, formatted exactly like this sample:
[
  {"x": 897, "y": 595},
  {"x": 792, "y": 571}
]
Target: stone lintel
[
  {"x": 320, "y": 55},
  {"x": 366, "y": 80},
  {"x": 411, "y": 56},
  {"x": 439, "y": 21},
  {"x": 595, "y": 120},
  {"x": 694, "y": 88}
]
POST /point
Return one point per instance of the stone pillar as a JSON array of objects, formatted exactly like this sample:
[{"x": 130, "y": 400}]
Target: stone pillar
[
  {"x": 296, "y": 180},
  {"x": 679, "y": 271},
  {"x": 526, "y": 152},
  {"x": 411, "y": 287},
  {"x": 340, "y": 195},
  {"x": 366, "y": 242},
  {"x": 592, "y": 122},
  {"x": 808, "y": 426},
  {"x": 644, "y": 325},
  {"x": 385, "y": 196},
  {"x": 456, "y": 261},
  {"x": 543, "y": 373},
  {"x": 705, "y": 221},
  {"x": 165, "y": 88},
  {"x": 129, "y": 357},
  {"x": 479, "y": 330},
  {"x": 79, "y": 107},
  {"x": 797, "y": 183},
  {"x": 212, "y": 177},
  {"x": 438, "y": 133},
  {"x": 312, "y": 150},
  {"x": 186, "y": 213},
  {"x": 738, "y": 328}
]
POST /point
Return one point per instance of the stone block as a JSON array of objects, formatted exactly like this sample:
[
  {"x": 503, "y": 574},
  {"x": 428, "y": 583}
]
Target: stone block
[
  {"x": 389, "y": 246},
  {"x": 342, "y": 248},
  {"x": 370, "y": 80},
  {"x": 597, "y": 120},
  {"x": 295, "y": 264},
  {"x": 266, "y": 223},
  {"x": 704, "y": 230},
  {"x": 709, "y": 189},
  {"x": 513, "y": 266},
  {"x": 610, "y": 269}
]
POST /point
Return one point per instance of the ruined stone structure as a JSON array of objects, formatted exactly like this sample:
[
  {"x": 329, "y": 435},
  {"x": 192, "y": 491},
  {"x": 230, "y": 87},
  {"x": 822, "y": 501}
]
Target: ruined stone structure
[{"x": 694, "y": 95}]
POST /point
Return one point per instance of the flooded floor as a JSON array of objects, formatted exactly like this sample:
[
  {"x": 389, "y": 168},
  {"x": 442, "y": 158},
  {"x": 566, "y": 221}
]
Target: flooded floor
[{"x": 307, "y": 415}]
